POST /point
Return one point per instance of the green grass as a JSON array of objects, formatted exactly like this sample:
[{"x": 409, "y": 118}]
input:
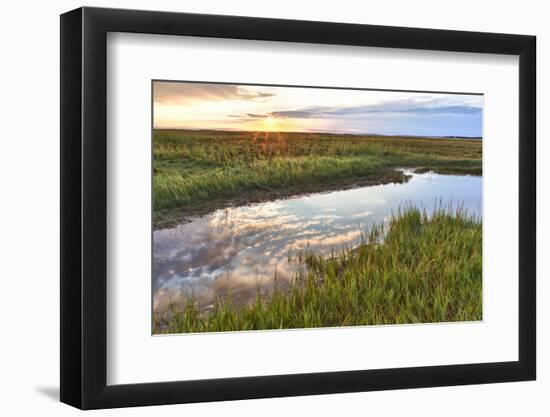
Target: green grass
[
  {"x": 196, "y": 172},
  {"x": 418, "y": 268}
]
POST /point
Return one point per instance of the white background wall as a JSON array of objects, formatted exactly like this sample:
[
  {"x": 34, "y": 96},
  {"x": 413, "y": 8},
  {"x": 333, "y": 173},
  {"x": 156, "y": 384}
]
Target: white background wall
[{"x": 29, "y": 225}]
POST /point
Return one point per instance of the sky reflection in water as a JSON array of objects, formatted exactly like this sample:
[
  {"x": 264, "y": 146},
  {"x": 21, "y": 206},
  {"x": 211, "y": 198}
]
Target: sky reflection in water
[{"x": 234, "y": 249}]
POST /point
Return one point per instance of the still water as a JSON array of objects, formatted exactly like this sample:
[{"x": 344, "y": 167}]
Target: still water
[{"x": 236, "y": 249}]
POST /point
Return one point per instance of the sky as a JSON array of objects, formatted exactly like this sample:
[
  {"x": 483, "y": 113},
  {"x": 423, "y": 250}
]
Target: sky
[{"x": 186, "y": 105}]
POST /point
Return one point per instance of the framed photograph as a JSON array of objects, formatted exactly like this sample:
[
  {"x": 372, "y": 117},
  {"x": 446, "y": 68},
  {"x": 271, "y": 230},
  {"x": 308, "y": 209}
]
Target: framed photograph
[{"x": 257, "y": 208}]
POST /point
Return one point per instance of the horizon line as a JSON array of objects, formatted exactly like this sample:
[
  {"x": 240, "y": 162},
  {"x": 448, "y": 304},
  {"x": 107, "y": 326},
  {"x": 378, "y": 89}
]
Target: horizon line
[{"x": 318, "y": 131}]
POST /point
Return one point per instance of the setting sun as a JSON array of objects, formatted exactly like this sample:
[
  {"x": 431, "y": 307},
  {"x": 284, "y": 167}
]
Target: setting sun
[{"x": 270, "y": 124}]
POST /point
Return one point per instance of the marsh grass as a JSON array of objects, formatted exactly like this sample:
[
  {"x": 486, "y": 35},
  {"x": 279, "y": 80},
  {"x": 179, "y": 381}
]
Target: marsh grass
[
  {"x": 416, "y": 268},
  {"x": 196, "y": 172}
]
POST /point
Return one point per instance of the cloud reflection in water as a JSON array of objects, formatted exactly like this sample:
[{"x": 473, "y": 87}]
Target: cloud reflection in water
[{"x": 236, "y": 249}]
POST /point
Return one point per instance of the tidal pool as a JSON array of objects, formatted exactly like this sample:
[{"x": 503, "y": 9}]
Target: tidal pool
[{"x": 240, "y": 249}]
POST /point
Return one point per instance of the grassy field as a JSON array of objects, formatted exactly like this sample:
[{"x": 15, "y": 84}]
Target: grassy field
[
  {"x": 196, "y": 172},
  {"x": 425, "y": 269}
]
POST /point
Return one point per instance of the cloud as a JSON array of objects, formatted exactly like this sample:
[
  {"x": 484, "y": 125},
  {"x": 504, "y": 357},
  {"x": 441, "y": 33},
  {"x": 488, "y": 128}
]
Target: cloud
[
  {"x": 405, "y": 106},
  {"x": 299, "y": 114},
  {"x": 181, "y": 92},
  {"x": 257, "y": 116}
]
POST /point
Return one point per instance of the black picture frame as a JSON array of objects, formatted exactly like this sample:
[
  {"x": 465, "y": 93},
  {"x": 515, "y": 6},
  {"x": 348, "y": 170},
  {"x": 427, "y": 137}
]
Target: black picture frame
[{"x": 84, "y": 207}]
